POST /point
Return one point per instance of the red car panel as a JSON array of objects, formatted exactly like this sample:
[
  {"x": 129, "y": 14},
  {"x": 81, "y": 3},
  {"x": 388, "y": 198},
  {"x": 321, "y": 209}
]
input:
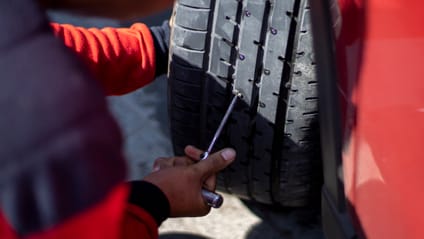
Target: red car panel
[{"x": 379, "y": 55}]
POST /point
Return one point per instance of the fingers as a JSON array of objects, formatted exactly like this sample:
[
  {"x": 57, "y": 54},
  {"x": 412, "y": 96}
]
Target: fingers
[
  {"x": 215, "y": 162},
  {"x": 193, "y": 152},
  {"x": 210, "y": 183},
  {"x": 162, "y": 163},
  {"x": 182, "y": 184}
]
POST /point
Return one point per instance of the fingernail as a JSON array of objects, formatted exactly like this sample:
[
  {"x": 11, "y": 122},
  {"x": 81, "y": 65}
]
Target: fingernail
[
  {"x": 228, "y": 154},
  {"x": 156, "y": 168}
]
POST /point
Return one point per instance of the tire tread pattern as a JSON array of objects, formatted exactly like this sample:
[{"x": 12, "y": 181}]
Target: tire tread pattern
[{"x": 218, "y": 45}]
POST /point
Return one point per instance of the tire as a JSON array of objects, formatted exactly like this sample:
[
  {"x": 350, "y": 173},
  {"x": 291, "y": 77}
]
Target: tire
[{"x": 264, "y": 50}]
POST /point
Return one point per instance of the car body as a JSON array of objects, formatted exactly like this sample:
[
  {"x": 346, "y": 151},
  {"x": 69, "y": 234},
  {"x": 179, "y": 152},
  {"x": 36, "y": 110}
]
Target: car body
[{"x": 373, "y": 117}]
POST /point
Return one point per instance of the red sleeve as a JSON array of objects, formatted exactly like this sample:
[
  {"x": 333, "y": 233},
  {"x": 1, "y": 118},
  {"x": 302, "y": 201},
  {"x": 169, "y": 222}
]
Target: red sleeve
[
  {"x": 111, "y": 219},
  {"x": 122, "y": 59}
]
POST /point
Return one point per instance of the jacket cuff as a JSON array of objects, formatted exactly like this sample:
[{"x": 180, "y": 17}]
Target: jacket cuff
[
  {"x": 161, "y": 37},
  {"x": 149, "y": 197}
]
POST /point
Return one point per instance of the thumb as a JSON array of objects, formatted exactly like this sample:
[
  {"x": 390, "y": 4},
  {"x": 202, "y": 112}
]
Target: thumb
[{"x": 216, "y": 162}]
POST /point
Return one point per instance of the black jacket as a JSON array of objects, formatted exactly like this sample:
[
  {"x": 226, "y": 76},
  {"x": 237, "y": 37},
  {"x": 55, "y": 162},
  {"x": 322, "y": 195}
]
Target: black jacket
[{"x": 60, "y": 149}]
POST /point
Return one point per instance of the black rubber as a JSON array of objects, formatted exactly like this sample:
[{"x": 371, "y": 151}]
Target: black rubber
[{"x": 263, "y": 49}]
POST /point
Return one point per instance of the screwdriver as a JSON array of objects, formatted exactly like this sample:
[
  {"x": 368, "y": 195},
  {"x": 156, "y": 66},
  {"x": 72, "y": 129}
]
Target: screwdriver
[{"x": 213, "y": 199}]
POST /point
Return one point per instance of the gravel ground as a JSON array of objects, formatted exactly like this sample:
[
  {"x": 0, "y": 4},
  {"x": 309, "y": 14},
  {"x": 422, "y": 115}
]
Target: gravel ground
[{"x": 143, "y": 118}]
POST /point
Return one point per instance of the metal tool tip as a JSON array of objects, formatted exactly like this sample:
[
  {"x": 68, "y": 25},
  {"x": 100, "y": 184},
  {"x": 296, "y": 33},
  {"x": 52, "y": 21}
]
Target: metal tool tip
[{"x": 204, "y": 155}]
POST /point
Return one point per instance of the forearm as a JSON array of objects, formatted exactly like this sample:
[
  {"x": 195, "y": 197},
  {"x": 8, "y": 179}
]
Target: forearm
[{"x": 121, "y": 59}]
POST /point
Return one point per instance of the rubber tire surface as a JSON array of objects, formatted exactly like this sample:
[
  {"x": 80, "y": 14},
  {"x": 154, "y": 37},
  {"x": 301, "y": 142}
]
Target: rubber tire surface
[{"x": 264, "y": 50}]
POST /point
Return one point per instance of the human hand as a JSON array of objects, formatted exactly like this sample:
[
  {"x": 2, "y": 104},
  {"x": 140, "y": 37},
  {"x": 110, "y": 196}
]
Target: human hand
[
  {"x": 192, "y": 156},
  {"x": 182, "y": 179}
]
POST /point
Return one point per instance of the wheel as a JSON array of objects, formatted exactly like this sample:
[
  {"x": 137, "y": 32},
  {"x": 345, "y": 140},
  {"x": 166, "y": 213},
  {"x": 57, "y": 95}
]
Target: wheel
[{"x": 264, "y": 50}]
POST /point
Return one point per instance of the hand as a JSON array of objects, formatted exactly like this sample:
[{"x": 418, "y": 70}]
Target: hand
[
  {"x": 182, "y": 179},
  {"x": 192, "y": 156}
]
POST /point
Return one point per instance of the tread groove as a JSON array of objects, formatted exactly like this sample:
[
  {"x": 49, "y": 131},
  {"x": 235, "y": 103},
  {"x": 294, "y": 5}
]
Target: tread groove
[
  {"x": 281, "y": 113},
  {"x": 263, "y": 49},
  {"x": 256, "y": 93}
]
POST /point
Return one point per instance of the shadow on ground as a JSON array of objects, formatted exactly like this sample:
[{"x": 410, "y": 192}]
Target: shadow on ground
[
  {"x": 303, "y": 223},
  {"x": 181, "y": 236}
]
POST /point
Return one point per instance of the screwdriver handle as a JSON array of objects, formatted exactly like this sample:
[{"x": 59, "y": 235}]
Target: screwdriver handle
[{"x": 212, "y": 199}]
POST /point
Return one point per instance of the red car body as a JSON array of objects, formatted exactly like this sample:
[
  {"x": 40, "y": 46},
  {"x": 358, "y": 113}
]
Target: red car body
[{"x": 380, "y": 86}]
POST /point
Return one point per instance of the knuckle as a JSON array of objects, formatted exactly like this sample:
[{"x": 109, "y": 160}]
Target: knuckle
[
  {"x": 164, "y": 162},
  {"x": 161, "y": 159}
]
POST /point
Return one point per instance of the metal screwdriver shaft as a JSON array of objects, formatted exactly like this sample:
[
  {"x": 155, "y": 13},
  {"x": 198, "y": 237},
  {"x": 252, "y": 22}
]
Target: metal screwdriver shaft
[{"x": 212, "y": 199}]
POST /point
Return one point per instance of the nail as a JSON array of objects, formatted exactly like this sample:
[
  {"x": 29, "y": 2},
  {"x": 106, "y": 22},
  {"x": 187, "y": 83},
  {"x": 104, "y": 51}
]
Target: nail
[
  {"x": 228, "y": 154},
  {"x": 156, "y": 168}
]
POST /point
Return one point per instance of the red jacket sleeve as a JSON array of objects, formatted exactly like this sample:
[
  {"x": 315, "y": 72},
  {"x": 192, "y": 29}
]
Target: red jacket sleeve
[
  {"x": 121, "y": 59},
  {"x": 113, "y": 218}
]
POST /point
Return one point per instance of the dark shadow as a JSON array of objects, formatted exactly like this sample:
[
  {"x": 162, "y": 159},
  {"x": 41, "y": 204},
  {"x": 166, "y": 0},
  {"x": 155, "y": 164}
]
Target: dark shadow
[
  {"x": 302, "y": 223},
  {"x": 263, "y": 230},
  {"x": 339, "y": 62},
  {"x": 180, "y": 236}
]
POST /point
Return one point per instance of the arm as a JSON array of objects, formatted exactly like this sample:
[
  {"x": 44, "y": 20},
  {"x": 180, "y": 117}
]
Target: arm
[{"x": 122, "y": 59}]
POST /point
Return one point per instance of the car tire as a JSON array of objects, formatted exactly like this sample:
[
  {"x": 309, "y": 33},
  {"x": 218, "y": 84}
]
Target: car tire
[{"x": 264, "y": 50}]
